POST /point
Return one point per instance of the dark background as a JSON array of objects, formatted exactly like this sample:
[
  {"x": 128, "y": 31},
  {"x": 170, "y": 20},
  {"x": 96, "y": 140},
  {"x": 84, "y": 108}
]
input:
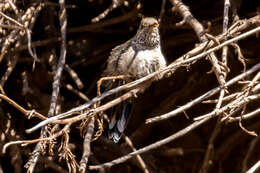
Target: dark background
[{"x": 87, "y": 52}]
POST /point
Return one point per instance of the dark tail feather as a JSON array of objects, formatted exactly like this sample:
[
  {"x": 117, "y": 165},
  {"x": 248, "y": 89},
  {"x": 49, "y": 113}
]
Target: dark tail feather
[{"x": 117, "y": 126}]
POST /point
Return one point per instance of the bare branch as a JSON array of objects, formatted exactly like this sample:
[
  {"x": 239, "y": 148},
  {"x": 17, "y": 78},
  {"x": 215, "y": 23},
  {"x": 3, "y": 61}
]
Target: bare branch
[
  {"x": 168, "y": 69},
  {"x": 203, "y": 97}
]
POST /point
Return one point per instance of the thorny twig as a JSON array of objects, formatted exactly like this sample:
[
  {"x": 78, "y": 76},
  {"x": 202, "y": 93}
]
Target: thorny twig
[
  {"x": 199, "y": 99},
  {"x": 28, "y": 17},
  {"x": 168, "y": 69},
  {"x": 244, "y": 117},
  {"x": 210, "y": 149},
  {"x": 62, "y": 59},
  {"x": 28, "y": 113},
  {"x": 80, "y": 94},
  {"x": 26, "y": 142},
  {"x": 246, "y": 91},
  {"x": 74, "y": 76},
  {"x": 29, "y": 20},
  {"x": 152, "y": 146},
  {"x": 65, "y": 151},
  {"x": 174, "y": 136},
  {"x": 138, "y": 157},
  {"x": 56, "y": 85},
  {"x": 11, "y": 65},
  {"x": 115, "y": 4},
  {"x": 102, "y": 108},
  {"x": 134, "y": 87},
  {"x": 200, "y": 32},
  {"x": 86, "y": 146},
  {"x": 208, "y": 116},
  {"x": 12, "y": 20}
]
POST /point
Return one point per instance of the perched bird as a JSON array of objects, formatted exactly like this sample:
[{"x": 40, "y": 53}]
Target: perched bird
[{"x": 138, "y": 57}]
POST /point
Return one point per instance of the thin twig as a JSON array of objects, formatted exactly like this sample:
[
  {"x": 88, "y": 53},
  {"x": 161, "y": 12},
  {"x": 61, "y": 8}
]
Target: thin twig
[
  {"x": 11, "y": 38},
  {"x": 74, "y": 76},
  {"x": 236, "y": 105},
  {"x": 11, "y": 65},
  {"x": 9, "y": 26},
  {"x": 86, "y": 146},
  {"x": 115, "y": 4},
  {"x": 254, "y": 167},
  {"x": 222, "y": 80},
  {"x": 172, "y": 137},
  {"x": 28, "y": 113},
  {"x": 26, "y": 142},
  {"x": 62, "y": 59},
  {"x": 147, "y": 78},
  {"x": 78, "y": 93},
  {"x": 99, "y": 109},
  {"x": 249, "y": 132},
  {"x": 56, "y": 86},
  {"x": 255, "y": 89},
  {"x": 28, "y": 30},
  {"x": 12, "y": 20},
  {"x": 203, "y": 97},
  {"x": 243, "y": 117},
  {"x": 152, "y": 146},
  {"x": 138, "y": 157}
]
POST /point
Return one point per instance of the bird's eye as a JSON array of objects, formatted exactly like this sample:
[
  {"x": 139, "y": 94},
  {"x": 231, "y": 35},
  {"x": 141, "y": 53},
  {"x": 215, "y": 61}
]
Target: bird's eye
[{"x": 155, "y": 24}]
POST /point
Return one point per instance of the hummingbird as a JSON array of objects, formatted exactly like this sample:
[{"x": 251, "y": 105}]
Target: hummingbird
[{"x": 136, "y": 58}]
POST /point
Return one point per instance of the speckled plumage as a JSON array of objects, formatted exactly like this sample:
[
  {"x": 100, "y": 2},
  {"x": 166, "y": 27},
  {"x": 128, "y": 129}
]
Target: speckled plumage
[{"x": 136, "y": 58}]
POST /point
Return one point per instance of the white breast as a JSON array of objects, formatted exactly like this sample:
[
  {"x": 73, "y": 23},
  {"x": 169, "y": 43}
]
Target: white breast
[{"x": 142, "y": 63}]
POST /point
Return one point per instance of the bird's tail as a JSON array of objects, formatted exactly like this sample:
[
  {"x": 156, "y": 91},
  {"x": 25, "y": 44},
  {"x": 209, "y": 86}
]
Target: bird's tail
[{"x": 118, "y": 123}]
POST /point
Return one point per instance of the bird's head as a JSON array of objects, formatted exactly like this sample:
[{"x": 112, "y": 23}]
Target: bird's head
[{"x": 148, "y": 33}]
